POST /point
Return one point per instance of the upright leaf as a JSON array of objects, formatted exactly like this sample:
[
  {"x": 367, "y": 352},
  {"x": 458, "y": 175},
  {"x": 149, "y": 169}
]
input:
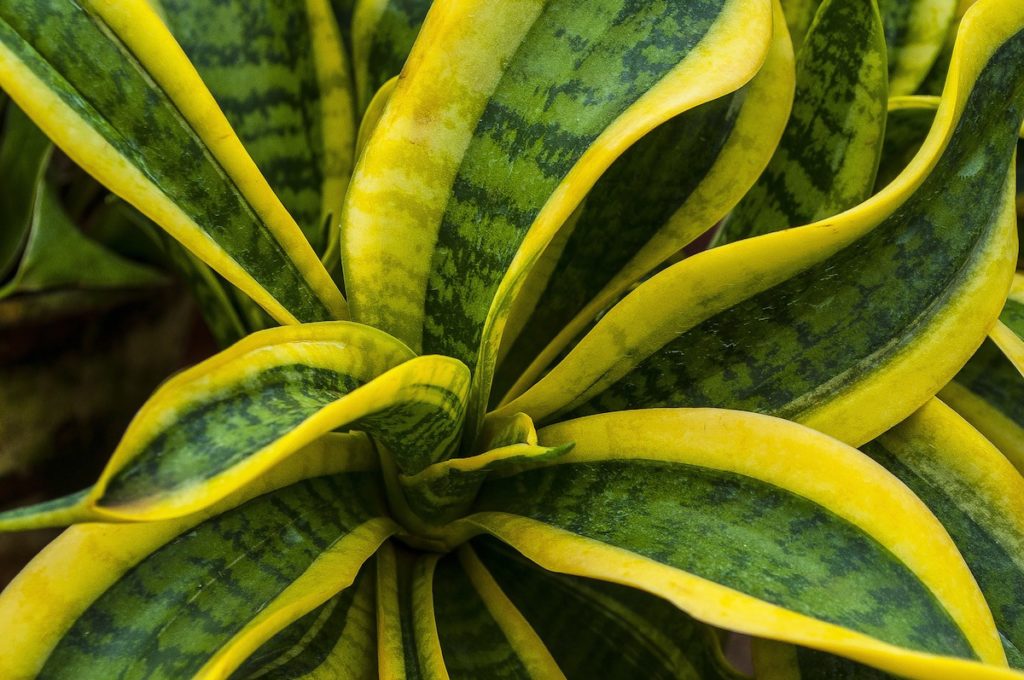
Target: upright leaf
[
  {"x": 849, "y": 324},
  {"x": 129, "y": 108},
  {"x": 494, "y": 133},
  {"x": 829, "y": 153},
  {"x": 671, "y": 186},
  {"x": 280, "y": 74},
  {"x": 383, "y": 32}
]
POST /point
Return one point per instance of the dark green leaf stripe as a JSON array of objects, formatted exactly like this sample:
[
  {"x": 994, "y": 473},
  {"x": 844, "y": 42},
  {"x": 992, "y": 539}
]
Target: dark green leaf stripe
[
  {"x": 338, "y": 637},
  {"x": 472, "y": 642},
  {"x": 257, "y": 59},
  {"x": 988, "y": 540},
  {"x": 574, "y": 73},
  {"x": 214, "y": 435},
  {"x": 601, "y": 630},
  {"x": 742, "y": 533},
  {"x": 383, "y": 32},
  {"x": 796, "y": 345},
  {"x": 829, "y": 153},
  {"x": 104, "y": 84},
  {"x": 633, "y": 199},
  {"x": 915, "y": 33},
  {"x": 989, "y": 393},
  {"x": 219, "y": 575}
]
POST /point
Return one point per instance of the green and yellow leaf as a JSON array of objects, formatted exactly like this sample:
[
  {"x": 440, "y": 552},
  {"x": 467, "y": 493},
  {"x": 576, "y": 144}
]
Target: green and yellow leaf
[
  {"x": 849, "y": 324},
  {"x": 488, "y": 145},
  {"x": 670, "y": 187},
  {"x": 753, "y": 524},
  {"x": 128, "y": 106},
  {"x": 221, "y": 424},
  {"x": 94, "y": 599},
  {"x": 829, "y": 153}
]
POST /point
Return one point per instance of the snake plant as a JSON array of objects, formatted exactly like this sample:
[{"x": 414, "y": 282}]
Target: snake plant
[{"x": 480, "y": 413}]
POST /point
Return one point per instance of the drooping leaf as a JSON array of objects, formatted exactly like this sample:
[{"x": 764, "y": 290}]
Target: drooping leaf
[
  {"x": 58, "y": 255},
  {"x": 828, "y": 157},
  {"x": 219, "y": 425},
  {"x": 265, "y": 555},
  {"x": 383, "y": 32},
  {"x": 129, "y": 108},
  {"x": 849, "y": 324},
  {"x": 670, "y": 187},
  {"x": 280, "y": 74},
  {"x": 753, "y": 524},
  {"x": 595, "y": 629},
  {"x": 492, "y": 137}
]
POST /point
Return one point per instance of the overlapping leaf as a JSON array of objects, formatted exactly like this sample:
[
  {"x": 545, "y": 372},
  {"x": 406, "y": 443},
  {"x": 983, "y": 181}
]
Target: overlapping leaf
[
  {"x": 106, "y": 600},
  {"x": 753, "y": 524},
  {"x": 487, "y": 146},
  {"x": 219, "y": 425},
  {"x": 849, "y": 324},
  {"x": 666, "y": 190}
]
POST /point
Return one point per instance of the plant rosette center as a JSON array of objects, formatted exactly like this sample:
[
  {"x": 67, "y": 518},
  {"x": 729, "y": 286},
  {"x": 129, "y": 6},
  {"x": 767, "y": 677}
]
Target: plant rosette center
[{"x": 429, "y": 504}]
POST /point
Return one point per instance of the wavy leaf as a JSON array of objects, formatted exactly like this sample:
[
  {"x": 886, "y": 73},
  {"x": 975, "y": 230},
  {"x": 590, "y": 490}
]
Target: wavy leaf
[
  {"x": 492, "y": 137},
  {"x": 219, "y": 425},
  {"x": 106, "y": 600},
  {"x": 829, "y": 153},
  {"x": 666, "y": 190},
  {"x": 129, "y": 108},
  {"x": 753, "y": 524},
  {"x": 847, "y": 325}
]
